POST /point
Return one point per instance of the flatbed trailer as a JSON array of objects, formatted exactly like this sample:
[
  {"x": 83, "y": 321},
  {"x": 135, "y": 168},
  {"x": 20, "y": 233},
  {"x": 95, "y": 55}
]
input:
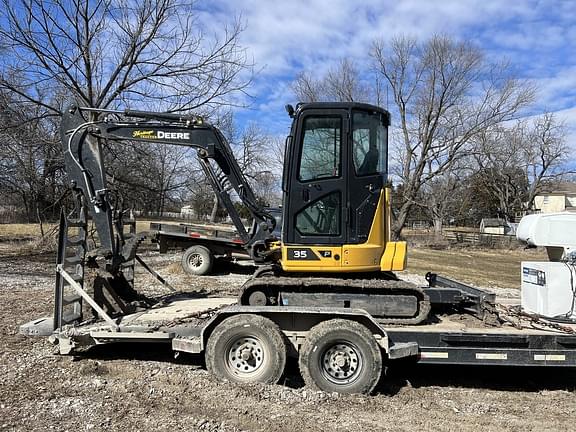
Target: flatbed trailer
[
  {"x": 452, "y": 342},
  {"x": 339, "y": 348},
  {"x": 202, "y": 244},
  {"x": 171, "y": 236}
]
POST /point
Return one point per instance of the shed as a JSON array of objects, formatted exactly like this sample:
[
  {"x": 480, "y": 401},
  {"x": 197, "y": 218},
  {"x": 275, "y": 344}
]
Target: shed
[{"x": 494, "y": 226}]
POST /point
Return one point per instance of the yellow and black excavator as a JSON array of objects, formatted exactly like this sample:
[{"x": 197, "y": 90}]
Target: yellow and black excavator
[{"x": 335, "y": 247}]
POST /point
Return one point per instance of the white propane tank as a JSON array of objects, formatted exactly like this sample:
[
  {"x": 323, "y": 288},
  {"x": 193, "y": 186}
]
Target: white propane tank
[{"x": 549, "y": 287}]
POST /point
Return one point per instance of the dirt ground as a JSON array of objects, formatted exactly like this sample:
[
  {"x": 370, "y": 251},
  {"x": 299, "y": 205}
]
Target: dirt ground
[{"x": 121, "y": 388}]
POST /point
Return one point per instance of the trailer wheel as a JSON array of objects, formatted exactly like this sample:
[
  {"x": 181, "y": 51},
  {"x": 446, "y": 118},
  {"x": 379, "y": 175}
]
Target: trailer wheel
[
  {"x": 340, "y": 356},
  {"x": 197, "y": 260},
  {"x": 247, "y": 348}
]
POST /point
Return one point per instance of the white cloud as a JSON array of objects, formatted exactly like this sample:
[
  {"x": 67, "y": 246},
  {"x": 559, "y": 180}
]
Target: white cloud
[
  {"x": 558, "y": 89},
  {"x": 287, "y": 37},
  {"x": 568, "y": 116}
]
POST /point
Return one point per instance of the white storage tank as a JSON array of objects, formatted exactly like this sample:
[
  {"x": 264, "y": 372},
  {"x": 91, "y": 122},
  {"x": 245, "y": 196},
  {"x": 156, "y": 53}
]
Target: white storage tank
[{"x": 549, "y": 289}]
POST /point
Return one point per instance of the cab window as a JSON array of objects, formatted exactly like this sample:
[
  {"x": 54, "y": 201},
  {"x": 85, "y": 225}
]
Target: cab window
[
  {"x": 321, "y": 217},
  {"x": 321, "y": 148},
  {"x": 368, "y": 143}
]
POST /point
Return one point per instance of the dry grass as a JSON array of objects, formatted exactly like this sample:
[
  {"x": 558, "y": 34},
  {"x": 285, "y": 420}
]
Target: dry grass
[
  {"x": 26, "y": 239},
  {"x": 30, "y": 231},
  {"x": 481, "y": 267},
  {"x": 142, "y": 225},
  {"x": 173, "y": 269},
  {"x": 18, "y": 231}
]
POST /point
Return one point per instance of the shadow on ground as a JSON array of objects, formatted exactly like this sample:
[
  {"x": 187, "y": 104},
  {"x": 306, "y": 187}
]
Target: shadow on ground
[
  {"x": 502, "y": 378},
  {"x": 226, "y": 267}
]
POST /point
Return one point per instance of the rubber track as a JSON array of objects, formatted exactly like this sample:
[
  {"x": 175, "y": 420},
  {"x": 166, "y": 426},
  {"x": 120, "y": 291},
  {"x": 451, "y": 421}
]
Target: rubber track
[{"x": 271, "y": 284}]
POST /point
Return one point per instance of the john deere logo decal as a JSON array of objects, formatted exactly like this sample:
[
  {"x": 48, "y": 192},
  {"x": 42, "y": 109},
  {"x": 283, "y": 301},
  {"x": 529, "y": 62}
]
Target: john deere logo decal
[{"x": 151, "y": 134}]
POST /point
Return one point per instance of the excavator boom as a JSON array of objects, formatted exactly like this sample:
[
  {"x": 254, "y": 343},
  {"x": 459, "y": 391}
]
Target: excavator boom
[{"x": 82, "y": 141}]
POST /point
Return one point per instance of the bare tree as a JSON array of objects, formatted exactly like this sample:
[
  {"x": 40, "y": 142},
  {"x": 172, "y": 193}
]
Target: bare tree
[
  {"x": 442, "y": 198},
  {"x": 30, "y": 160},
  {"x": 257, "y": 161},
  {"x": 514, "y": 163},
  {"x": 149, "y": 54},
  {"x": 150, "y": 177},
  {"x": 200, "y": 195},
  {"x": 546, "y": 154},
  {"x": 277, "y": 152},
  {"x": 444, "y": 94},
  {"x": 307, "y": 88},
  {"x": 500, "y": 167},
  {"x": 102, "y": 52},
  {"x": 342, "y": 83},
  {"x": 251, "y": 147}
]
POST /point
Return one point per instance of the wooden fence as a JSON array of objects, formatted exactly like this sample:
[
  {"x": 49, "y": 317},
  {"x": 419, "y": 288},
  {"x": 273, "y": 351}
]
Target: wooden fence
[{"x": 475, "y": 237}]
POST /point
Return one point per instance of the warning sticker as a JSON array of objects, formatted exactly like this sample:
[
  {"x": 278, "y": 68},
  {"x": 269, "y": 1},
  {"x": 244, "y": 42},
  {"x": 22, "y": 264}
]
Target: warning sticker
[{"x": 533, "y": 276}]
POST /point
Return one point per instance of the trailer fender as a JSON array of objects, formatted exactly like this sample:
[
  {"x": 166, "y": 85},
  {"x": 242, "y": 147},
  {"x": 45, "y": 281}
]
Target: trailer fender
[{"x": 295, "y": 322}]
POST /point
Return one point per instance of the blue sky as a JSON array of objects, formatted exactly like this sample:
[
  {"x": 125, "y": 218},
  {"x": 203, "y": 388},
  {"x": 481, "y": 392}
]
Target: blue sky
[{"x": 284, "y": 38}]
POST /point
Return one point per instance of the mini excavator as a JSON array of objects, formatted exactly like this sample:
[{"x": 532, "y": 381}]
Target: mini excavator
[{"x": 335, "y": 247}]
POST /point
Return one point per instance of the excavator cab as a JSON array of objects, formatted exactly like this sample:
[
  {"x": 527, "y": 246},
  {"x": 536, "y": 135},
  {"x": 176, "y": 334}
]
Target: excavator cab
[{"x": 336, "y": 204}]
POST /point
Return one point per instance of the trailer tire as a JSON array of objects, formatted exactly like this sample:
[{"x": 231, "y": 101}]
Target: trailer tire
[
  {"x": 340, "y": 356},
  {"x": 246, "y": 348},
  {"x": 197, "y": 260}
]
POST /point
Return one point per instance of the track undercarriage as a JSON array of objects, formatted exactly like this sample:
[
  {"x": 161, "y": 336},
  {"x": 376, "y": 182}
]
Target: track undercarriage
[{"x": 390, "y": 301}]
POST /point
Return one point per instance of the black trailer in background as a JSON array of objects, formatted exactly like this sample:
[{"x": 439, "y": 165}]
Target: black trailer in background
[{"x": 204, "y": 245}]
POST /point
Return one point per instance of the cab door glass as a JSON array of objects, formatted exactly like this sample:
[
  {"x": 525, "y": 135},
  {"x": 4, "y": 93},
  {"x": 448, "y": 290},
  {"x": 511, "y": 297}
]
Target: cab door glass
[
  {"x": 321, "y": 148},
  {"x": 369, "y": 138},
  {"x": 321, "y": 217}
]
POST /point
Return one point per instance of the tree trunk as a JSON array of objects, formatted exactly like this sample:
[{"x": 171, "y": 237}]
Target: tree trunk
[
  {"x": 214, "y": 210},
  {"x": 400, "y": 222},
  {"x": 26, "y": 208},
  {"x": 161, "y": 209},
  {"x": 41, "y": 225},
  {"x": 437, "y": 228}
]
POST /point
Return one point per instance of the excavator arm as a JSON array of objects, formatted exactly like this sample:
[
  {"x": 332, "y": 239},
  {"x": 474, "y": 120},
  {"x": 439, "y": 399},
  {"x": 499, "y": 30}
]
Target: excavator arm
[{"x": 82, "y": 133}]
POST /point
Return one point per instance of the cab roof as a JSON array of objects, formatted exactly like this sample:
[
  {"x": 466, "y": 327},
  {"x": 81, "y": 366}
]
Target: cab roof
[{"x": 304, "y": 106}]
